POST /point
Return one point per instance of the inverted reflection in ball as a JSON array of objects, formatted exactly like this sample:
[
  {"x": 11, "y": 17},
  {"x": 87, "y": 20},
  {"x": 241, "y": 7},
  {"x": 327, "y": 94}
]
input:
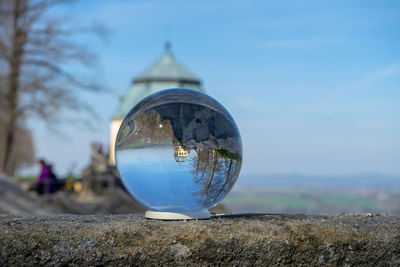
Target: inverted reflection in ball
[{"x": 178, "y": 150}]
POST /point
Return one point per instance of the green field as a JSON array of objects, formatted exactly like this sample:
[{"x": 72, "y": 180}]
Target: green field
[
  {"x": 294, "y": 200},
  {"x": 269, "y": 201}
]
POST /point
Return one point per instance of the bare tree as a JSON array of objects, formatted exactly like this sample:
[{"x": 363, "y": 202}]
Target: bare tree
[
  {"x": 35, "y": 52},
  {"x": 22, "y": 151}
]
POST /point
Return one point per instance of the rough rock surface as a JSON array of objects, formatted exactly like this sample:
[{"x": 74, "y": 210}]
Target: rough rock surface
[{"x": 300, "y": 240}]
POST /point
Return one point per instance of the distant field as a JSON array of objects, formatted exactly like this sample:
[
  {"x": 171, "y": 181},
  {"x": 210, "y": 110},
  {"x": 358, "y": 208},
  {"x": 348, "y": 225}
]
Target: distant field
[
  {"x": 269, "y": 200},
  {"x": 312, "y": 200}
]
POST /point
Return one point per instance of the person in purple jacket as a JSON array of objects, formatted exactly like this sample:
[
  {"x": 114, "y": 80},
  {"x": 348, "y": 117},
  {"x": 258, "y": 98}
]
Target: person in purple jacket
[{"x": 44, "y": 184}]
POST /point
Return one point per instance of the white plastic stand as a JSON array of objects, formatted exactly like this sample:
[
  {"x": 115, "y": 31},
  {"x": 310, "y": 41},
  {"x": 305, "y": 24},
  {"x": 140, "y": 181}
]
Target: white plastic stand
[{"x": 162, "y": 215}]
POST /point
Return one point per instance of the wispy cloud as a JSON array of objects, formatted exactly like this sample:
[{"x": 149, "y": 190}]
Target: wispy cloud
[
  {"x": 302, "y": 43},
  {"x": 388, "y": 71},
  {"x": 370, "y": 79}
]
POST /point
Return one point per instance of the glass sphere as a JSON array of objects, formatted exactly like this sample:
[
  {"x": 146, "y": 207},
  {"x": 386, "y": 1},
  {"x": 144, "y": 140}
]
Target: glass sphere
[{"x": 178, "y": 150}]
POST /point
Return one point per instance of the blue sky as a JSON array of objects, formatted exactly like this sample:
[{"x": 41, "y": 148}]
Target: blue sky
[
  {"x": 314, "y": 86},
  {"x": 157, "y": 180}
]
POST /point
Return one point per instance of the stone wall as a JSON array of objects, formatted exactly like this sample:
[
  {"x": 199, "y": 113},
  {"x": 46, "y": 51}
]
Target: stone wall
[{"x": 300, "y": 240}]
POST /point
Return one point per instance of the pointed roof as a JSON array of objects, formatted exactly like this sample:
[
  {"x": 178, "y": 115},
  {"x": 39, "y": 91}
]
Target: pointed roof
[
  {"x": 165, "y": 73},
  {"x": 167, "y": 68}
]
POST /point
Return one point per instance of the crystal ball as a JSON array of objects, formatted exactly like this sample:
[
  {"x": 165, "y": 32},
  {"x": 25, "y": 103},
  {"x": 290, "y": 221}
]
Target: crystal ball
[{"x": 178, "y": 150}]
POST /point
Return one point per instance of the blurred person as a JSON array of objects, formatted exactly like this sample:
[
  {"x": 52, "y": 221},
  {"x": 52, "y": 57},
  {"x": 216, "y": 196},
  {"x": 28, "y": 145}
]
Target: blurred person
[{"x": 44, "y": 183}]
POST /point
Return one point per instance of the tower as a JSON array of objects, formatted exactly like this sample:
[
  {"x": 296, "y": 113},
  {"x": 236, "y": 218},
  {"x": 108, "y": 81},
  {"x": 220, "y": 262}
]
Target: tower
[{"x": 165, "y": 73}]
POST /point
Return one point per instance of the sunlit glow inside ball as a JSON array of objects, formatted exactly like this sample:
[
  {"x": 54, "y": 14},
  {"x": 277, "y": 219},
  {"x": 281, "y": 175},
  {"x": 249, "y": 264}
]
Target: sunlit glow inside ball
[{"x": 178, "y": 150}]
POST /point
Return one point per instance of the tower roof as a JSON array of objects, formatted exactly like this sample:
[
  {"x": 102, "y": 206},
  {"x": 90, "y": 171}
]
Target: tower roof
[
  {"x": 167, "y": 68},
  {"x": 165, "y": 73}
]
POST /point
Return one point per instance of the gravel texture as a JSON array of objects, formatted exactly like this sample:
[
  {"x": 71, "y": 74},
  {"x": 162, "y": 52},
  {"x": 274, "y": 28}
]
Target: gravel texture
[{"x": 268, "y": 240}]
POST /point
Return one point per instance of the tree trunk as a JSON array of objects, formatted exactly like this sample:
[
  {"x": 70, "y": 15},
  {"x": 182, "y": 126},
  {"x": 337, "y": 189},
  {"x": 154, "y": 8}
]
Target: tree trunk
[
  {"x": 227, "y": 178},
  {"x": 11, "y": 104},
  {"x": 214, "y": 166}
]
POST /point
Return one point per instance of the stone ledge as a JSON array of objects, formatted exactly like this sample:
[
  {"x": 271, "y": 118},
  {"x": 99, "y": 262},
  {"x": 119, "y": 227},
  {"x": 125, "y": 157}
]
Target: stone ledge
[{"x": 300, "y": 240}]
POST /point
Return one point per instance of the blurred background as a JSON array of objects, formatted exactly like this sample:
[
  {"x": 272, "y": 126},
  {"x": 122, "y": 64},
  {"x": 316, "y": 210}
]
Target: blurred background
[{"x": 314, "y": 88}]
